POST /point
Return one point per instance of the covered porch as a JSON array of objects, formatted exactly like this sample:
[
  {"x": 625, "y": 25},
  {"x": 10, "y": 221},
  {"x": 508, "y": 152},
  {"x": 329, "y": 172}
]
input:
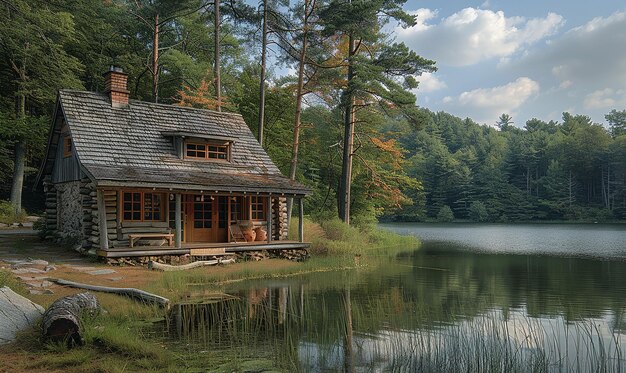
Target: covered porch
[{"x": 153, "y": 222}]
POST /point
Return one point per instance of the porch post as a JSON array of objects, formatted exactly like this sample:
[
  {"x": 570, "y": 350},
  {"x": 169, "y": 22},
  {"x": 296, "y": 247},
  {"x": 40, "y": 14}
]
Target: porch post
[
  {"x": 178, "y": 238},
  {"x": 102, "y": 220},
  {"x": 300, "y": 220},
  {"x": 268, "y": 208}
]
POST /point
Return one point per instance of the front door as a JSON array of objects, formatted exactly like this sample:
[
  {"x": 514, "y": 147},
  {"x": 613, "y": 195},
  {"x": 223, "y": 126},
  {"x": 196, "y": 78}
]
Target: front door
[{"x": 207, "y": 218}]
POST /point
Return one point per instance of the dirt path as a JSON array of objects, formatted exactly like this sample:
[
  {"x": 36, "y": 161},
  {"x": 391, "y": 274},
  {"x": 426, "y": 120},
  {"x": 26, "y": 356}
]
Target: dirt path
[{"x": 33, "y": 262}]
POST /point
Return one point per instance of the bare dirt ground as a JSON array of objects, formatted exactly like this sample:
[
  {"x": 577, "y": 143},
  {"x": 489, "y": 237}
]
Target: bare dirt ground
[{"x": 34, "y": 262}]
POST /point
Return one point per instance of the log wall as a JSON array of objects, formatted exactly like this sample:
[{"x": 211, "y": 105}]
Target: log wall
[{"x": 279, "y": 212}]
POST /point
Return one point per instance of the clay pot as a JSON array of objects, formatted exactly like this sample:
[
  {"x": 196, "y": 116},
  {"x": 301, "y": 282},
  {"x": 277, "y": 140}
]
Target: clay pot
[
  {"x": 249, "y": 235},
  {"x": 261, "y": 234}
]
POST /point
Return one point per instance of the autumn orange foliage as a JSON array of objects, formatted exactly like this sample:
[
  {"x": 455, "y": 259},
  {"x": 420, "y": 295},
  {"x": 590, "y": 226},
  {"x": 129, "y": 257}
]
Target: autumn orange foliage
[{"x": 202, "y": 97}]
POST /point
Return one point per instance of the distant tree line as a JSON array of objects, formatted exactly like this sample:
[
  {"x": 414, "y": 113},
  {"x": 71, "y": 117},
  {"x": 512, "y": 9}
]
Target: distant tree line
[{"x": 574, "y": 169}]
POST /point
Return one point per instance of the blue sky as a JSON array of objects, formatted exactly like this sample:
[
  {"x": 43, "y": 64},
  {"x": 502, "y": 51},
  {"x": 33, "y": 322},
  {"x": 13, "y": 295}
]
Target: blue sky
[{"x": 524, "y": 58}]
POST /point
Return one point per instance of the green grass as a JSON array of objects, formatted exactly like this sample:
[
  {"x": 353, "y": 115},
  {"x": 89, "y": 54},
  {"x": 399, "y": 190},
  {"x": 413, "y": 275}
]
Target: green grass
[
  {"x": 8, "y": 279},
  {"x": 125, "y": 339},
  {"x": 334, "y": 246},
  {"x": 334, "y": 238},
  {"x": 8, "y": 215}
]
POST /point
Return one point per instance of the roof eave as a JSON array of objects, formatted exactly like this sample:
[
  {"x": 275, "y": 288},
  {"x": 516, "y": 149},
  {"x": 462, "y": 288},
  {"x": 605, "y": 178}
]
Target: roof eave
[{"x": 104, "y": 183}]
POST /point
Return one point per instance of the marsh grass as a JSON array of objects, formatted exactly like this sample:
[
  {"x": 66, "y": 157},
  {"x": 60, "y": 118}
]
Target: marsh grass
[
  {"x": 309, "y": 333},
  {"x": 334, "y": 246},
  {"x": 413, "y": 340},
  {"x": 334, "y": 238}
]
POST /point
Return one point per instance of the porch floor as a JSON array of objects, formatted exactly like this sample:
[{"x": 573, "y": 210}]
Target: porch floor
[{"x": 209, "y": 248}]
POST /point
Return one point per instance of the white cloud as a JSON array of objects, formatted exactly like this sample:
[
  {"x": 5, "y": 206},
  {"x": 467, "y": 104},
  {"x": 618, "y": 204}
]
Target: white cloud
[
  {"x": 599, "y": 23},
  {"x": 486, "y": 104},
  {"x": 565, "y": 84},
  {"x": 428, "y": 82},
  {"x": 473, "y": 35},
  {"x": 585, "y": 66},
  {"x": 605, "y": 99}
]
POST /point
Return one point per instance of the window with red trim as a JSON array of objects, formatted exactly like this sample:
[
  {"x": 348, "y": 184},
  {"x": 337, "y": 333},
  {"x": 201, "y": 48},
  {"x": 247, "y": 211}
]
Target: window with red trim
[
  {"x": 142, "y": 206},
  {"x": 257, "y": 207},
  {"x": 238, "y": 209},
  {"x": 210, "y": 151}
]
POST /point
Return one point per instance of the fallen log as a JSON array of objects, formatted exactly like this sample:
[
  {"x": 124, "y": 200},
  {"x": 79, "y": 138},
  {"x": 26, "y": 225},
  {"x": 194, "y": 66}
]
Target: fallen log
[
  {"x": 200, "y": 263},
  {"x": 16, "y": 314},
  {"x": 141, "y": 295},
  {"x": 62, "y": 320}
]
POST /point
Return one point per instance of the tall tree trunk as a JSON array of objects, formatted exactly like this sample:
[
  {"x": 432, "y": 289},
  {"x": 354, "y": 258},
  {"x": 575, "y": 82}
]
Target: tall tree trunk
[
  {"x": 299, "y": 95},
  {"x": 155, "y": 60},
  {"x": 346, "y": 169},
  {"x": 216, "y": 66},
  {"x": 18, "y": 175},
  {"x": 19, "y": 161},
  {"x": 263, "y": 67}
]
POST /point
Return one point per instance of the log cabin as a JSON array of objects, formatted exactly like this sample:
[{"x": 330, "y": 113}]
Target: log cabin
[{"x": 130, "y": 178}]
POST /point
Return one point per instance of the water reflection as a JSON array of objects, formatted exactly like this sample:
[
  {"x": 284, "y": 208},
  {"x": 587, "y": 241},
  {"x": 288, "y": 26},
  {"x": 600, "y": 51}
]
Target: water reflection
[{"x": 437, "y": 309}]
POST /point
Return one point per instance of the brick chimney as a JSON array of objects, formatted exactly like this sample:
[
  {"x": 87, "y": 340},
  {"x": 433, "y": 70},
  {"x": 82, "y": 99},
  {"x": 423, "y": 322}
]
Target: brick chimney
[{"x": 115, "y": 86}]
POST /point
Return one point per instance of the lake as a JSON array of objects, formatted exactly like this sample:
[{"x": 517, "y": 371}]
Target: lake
[{"x": 474, "y": 297}]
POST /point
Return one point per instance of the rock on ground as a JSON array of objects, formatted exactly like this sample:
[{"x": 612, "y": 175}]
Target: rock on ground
[{"x": 16, "y": 313}]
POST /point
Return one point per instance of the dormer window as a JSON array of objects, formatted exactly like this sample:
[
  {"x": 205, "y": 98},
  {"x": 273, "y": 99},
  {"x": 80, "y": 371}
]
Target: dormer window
[
  {"x": 207, "y": 150},
  {"x": 201, "y": 146}
]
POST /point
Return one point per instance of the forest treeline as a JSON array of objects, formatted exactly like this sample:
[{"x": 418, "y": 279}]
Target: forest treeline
[{"x": 334, "y": 106}]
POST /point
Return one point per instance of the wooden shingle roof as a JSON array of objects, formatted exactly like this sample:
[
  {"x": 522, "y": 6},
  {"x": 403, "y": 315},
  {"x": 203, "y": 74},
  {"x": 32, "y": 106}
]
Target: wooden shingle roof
[{"x": 130, "y": 146}]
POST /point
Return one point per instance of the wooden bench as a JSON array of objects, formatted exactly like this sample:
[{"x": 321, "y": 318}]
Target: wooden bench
[{"x": 132, "y": 238}]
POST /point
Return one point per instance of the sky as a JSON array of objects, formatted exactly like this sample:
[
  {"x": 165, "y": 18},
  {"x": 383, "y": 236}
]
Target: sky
[{"x": 528, "y": 59}]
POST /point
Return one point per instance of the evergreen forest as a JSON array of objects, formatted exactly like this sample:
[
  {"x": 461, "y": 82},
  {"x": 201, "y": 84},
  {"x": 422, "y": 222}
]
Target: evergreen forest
[{"x": 329, "y": 94}]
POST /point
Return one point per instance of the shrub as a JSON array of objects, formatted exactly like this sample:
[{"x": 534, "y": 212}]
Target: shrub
[
  {"x": 334, "y": 237},
  {"x": 8, "y": 216},
  {"x": 445, "y": 215},
  {"x": 478, "y": 212}
]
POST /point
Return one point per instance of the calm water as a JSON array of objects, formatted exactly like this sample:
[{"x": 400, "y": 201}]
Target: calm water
[{"x": 472, "y": 298}]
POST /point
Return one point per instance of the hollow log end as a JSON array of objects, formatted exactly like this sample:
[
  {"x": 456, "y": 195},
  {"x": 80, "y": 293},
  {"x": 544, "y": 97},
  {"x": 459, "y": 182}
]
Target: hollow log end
[{"x": 65, "y": 331}]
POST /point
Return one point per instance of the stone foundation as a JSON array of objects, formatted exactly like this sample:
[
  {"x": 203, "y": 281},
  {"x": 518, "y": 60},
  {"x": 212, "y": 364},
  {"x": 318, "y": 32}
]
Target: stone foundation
[
  {"x": 69, "y": 209},
  {"x": 295, "y": 255}
]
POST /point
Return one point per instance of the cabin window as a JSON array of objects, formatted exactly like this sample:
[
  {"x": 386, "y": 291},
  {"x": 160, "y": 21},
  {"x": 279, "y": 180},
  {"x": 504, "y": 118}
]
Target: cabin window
[
  {"x": 238, "y": 210},
  {"x": 67, "y": 146},
  {"x": 142, "y": 206},
  {"x": 210, "y": 151},
  {"x": 257, "y": 208}
]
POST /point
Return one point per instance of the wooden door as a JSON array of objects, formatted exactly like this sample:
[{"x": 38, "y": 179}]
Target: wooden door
[
  {"x": 200, "y": 218},
  {"x": 207, "y": 218},
  {"x": 220, "y": 224}
]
